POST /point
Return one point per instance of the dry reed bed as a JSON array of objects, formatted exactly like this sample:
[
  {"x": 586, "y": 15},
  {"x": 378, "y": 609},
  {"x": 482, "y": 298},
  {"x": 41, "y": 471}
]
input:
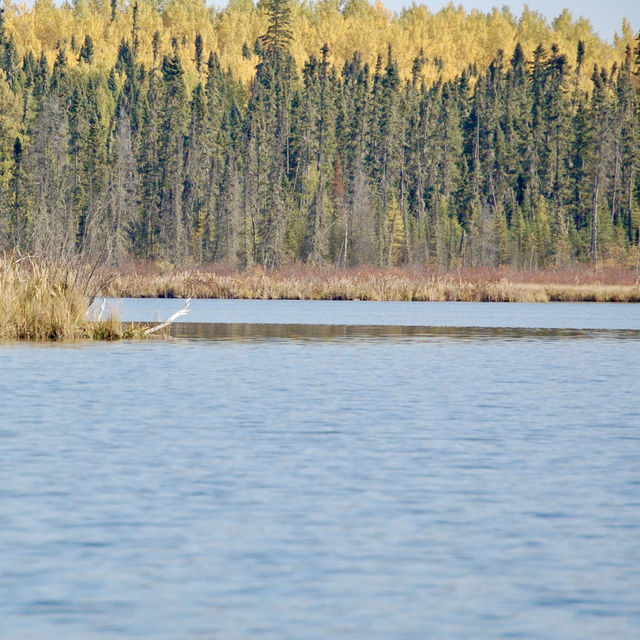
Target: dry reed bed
[
  {"x": 364, "y": 284},
  {"x": 40, "y": 302}
]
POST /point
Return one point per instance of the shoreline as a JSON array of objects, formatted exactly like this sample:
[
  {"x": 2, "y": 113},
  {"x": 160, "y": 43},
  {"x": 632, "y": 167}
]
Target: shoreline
[
  {"x": 374, "y": 284},
  {"x": 43, "y": 302}
]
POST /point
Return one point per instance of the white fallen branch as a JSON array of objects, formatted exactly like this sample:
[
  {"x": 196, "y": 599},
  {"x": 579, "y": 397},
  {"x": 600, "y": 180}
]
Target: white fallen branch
[
  {"x": 91, "y": 312},
  {"x": 183, "y": 312}
]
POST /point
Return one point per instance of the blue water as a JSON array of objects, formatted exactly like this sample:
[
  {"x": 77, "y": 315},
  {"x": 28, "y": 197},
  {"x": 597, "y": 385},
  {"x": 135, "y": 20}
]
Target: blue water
[
  {"x": 367, "y": 479},
  {"x": 431, "y": 314}
]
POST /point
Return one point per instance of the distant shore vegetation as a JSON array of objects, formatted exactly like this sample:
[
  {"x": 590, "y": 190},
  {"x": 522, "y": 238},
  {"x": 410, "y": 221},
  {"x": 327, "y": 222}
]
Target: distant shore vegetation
[
  {"x": 330, "y": 134},
  {"x": 408, "y": 284}
]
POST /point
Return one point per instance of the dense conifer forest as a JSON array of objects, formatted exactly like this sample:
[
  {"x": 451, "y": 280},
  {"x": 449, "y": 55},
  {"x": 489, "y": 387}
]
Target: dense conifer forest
[{"x": 328, "y": 133}]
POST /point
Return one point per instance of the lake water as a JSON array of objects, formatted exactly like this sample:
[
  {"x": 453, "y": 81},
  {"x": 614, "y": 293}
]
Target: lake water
[{"x": 326, "y": 470}]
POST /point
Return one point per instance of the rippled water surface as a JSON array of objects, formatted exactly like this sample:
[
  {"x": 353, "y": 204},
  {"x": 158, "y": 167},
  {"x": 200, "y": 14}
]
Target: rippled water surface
[{"x": 326, "y": 470}]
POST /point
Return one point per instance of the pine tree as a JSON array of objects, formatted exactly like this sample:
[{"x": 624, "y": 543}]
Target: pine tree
[
  {"x": 87, "y": 51},
  {"x": 268, "y": 129},
  {"x": 599, "y": 150},
  {"x": 173, "y": 116},
  {"x": 17, "y": 219},
  {"x": 279, "y": 34},
  {"x": 198, "y": 48}
]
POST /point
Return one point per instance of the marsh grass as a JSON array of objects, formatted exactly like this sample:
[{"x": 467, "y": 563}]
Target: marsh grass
[
  {"x": 43, "y": 302},
  {"x": 368, "y": 283}
]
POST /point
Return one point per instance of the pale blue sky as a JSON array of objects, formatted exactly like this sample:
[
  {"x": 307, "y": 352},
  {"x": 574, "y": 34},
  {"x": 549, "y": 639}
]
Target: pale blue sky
[{"x": 605, "y": 15}]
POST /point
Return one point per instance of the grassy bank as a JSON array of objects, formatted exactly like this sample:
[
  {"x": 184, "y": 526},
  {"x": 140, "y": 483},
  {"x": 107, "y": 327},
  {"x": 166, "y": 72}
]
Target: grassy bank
[
  {"x": 41, "y": 302},
  {"x": 308, "y": 283}
]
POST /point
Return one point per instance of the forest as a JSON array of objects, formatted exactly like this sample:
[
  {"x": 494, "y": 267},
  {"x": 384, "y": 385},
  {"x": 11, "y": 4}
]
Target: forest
[{"x": 327, "y": 133}]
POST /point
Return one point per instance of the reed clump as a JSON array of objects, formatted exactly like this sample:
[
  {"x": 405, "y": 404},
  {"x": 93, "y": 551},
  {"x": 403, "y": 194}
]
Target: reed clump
[
  {"x": 43, "y": 302},
  {"x": 367, "y": 283}
]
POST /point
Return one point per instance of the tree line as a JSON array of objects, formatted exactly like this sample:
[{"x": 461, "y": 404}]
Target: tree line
[{"x": 529, "y": 161}]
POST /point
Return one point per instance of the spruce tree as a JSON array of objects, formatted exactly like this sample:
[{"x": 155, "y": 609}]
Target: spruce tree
[{"x": 87, "y": 52}]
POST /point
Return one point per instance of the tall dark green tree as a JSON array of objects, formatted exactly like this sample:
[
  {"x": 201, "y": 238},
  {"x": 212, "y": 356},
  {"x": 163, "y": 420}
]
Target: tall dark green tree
[{"x": 172, "y": 130}]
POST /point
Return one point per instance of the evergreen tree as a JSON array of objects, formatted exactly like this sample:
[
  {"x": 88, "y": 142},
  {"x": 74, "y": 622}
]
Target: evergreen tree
[
  {"x": 172, "y": 130},
  {"x": 198, "y": 47},
  {"x": 87, "y": 50},
  {"x": 278, "y": 35}
]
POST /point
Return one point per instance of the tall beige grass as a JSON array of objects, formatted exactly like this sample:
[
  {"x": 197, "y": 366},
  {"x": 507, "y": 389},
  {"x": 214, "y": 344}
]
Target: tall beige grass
[
  {"x": 41, "y": 302},
  {"x": 308, "y": 283}
]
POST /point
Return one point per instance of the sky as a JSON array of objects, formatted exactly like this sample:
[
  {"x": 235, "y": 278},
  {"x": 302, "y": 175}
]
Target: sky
[{"x": 605, "y": 15}]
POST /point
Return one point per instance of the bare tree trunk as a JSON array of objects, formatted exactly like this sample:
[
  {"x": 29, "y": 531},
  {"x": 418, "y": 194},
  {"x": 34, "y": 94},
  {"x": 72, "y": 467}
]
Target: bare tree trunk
[
  {"x": 630, "y": 213},
  {"x": 616, "y": 179},
  {"x": 594, "y": 219}
]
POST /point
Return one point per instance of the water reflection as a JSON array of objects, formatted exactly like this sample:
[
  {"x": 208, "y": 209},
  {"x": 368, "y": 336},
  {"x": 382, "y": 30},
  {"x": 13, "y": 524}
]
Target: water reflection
[{"x": 331, "y": 332}]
